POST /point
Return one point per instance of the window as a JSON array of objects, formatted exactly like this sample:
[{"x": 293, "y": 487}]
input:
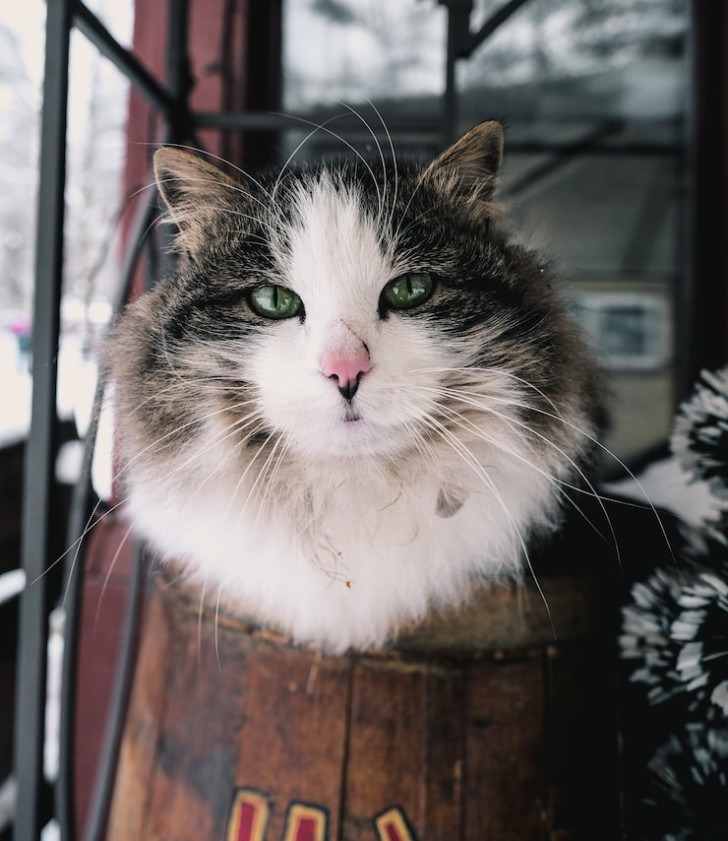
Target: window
[{"x": 593, "y": 95}]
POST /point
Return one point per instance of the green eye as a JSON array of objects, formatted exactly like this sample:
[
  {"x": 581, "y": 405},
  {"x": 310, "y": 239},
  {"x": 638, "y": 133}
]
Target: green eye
[
  {"x": 275, "y": 302},
  {"x": 407, "y": 291}
]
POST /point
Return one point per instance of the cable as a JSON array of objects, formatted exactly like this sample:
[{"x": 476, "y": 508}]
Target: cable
[
  {"x": 106, "y": 774},
  {"x": 73, "y": 570}
]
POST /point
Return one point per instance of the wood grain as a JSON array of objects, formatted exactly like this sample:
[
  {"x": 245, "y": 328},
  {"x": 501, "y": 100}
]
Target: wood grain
[{"x": 235, "y": 734}]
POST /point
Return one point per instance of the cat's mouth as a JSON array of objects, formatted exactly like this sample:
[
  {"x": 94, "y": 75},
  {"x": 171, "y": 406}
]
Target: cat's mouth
[{"x": 351, "y": 415}]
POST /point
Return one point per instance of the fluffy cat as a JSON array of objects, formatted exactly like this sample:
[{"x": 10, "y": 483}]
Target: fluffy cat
[{"x": 356, "y": 398}]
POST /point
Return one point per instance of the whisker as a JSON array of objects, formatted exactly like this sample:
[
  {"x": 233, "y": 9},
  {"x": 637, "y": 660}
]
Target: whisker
[
  {"x": 393, "y": 203},
  {"x": 348, "y": 145},
  {"x": 557, "y": 416},
  {"x": 93, "y": 521},
  {"x": 480, "y": 471},
  {"x": 107, "y": 577},
  {"x": 251, "y": 464},
  {"x": 383, "y": 202},
  {"x": 220, "y": 160},
  {"x": 200, "y": 619},
  {"x": 316, "y": 128},
  {"x": 529, "y": 431}
]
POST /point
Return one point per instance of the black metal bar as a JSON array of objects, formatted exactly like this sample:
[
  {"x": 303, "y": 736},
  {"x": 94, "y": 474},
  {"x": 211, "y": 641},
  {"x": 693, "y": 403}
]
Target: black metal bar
[
  {"x": 458, "y": 30},
  {"x": 606, "y": 149},
  {"x": 258, "y": 121},
  {"x": 489, "y": 27},
  {"x": 461, "y": 43},
  {"x": 262, "y": 88},
  {"x": 177, "y": 62},
  {"x": 87, "y": 23},
  {"x": 703, "y": 338},
  {"x": 78, "y": 524},
  {"x": 41, "y": 452},
  {"x": 179, "y": 76},
  {"x": 116, "y": 719},
  {"x": 566, "y": 155}
]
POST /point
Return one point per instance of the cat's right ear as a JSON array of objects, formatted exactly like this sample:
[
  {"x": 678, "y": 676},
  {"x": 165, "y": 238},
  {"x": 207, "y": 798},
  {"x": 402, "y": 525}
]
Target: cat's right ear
[
  {"x": 195, "y": 192},
  {"x": 469, "y": 168}
]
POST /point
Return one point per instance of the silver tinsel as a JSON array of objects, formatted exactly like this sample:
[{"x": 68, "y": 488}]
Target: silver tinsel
[
  {"x": 674, "y": 644},
  {"x": 700, "y": 435},
  {"x": 675, "y": 633}
]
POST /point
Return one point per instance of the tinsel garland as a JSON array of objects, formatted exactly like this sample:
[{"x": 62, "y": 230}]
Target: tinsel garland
[
  {"x": 674, "y": 642},
  {"x": 700, "y": 435}
]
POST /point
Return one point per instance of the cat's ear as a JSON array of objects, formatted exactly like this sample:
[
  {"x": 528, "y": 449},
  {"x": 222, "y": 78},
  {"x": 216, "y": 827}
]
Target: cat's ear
[
  {"x": 195, "y": 192},
  {"x": 470, "y": 167}
]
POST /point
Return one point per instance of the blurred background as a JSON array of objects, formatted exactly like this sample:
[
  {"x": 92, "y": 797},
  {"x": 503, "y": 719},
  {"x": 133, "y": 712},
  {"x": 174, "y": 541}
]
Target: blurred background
[{"x": 613, "y": 111}]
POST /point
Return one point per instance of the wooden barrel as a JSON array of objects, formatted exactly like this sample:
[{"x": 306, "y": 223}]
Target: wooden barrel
[{"x": 495, "y": 723}]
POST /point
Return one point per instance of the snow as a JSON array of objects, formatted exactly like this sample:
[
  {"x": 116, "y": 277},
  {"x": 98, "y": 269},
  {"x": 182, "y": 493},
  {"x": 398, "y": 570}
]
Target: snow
[
  {"x": 666, "y": 485},
  {"x": 15, "y": 383},
  {"x": 76, "y": 386}
]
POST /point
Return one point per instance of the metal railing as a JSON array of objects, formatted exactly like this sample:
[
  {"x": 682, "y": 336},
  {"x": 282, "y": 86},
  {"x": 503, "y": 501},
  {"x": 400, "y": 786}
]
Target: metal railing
[{"x": 34, "y": 801}]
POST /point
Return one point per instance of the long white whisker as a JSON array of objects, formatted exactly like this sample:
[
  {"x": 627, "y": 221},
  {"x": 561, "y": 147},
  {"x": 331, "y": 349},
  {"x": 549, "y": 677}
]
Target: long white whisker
[
  {"x": 479, "y": 404},
  {"x": 482, "y": 473},
  {"x": 249, "y": 467},
  {"x": 349, "y": 146},
  {"x": 218, "y": 159},
  {"x": 395, "y": 170},
  {"x": 107, "y": 577},
  {"x": 558, "y": 483},
  {"x": 383, "y": 197},
  {"x": 557, "y": 416},
  {"x": 316, "y": 128},
  {"x": 92, "y": 521}
]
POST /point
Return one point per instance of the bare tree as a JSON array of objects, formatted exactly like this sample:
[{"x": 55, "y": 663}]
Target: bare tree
[{"x": 18, "y": 176}]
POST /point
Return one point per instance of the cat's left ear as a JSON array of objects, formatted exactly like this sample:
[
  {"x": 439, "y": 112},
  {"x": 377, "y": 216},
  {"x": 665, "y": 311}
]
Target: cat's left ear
[
  {"x": 195, "y": 192},
  {"x": 471, "y": 165}
]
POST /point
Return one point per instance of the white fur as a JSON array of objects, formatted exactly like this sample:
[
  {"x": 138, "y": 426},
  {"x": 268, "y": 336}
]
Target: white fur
[{"x": 332, "y": 534}]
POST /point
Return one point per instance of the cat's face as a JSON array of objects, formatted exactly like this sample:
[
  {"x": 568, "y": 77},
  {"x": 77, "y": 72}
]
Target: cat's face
[
  {"x": 353, "y": 370},
  {"x": 335, "y": 313}
]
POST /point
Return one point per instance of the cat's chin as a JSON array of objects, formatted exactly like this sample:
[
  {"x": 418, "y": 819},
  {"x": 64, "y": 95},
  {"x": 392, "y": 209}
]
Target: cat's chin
[{"x": 353, "y": 437}]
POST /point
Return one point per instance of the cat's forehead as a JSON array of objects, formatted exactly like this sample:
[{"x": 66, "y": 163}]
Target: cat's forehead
[{"x": 338, "y": 238}]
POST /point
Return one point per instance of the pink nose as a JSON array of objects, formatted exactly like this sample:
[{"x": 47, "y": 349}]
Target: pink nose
[{"x": 347, "y": 370}]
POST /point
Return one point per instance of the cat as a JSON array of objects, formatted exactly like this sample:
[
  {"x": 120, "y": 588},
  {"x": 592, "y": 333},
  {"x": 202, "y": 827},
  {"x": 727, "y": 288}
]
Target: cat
[{"x": 356, "y": 398}]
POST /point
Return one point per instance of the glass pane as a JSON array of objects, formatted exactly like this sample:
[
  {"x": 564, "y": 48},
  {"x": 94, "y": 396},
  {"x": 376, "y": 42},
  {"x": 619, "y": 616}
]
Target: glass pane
[
  {"x": 354, "y": 51},
  {"x": 21, "y": 69},
  {"x": 97, "y": 112},
  {"x": 593, "y": 95}
]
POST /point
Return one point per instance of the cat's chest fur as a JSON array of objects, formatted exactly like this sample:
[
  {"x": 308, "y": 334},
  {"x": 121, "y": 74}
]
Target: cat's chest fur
[
  {"x": 331, "y": 555},
  {"x": 354, "y": 400}
]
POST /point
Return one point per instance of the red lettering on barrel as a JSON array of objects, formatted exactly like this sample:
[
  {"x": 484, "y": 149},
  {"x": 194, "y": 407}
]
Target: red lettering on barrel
[
  {"x": 250, "y": 813},
  {"x": 392, "y": 826},
  {"x": 248, "y": 817},
  {"x": 306, "y": 823}
]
